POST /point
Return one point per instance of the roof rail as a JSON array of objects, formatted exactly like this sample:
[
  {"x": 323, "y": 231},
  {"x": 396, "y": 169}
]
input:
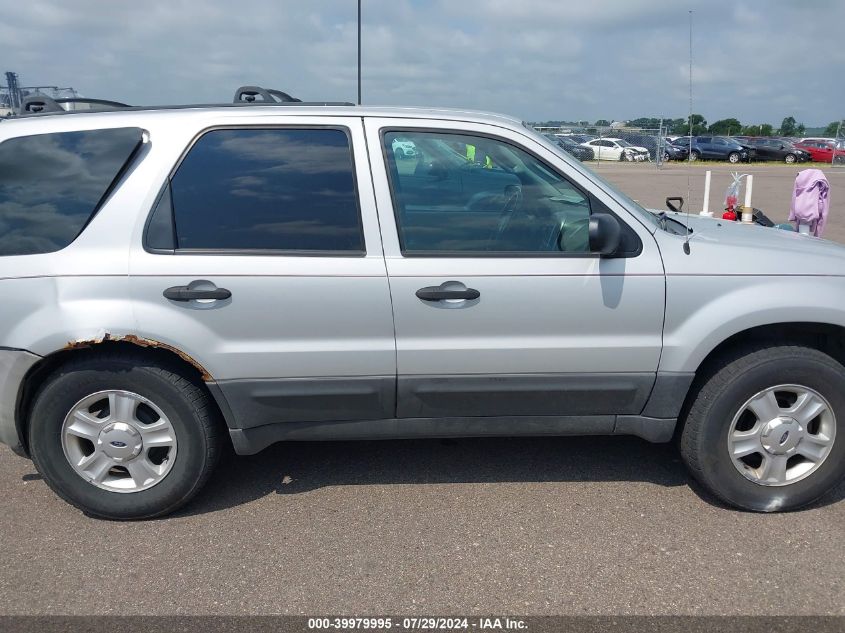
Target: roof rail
[
  {"x": 245, "y": 96},
  {"x": 250, "y": 94},
  {"x": 36, "y": 104},
  {"x": 39, "y": 104}
]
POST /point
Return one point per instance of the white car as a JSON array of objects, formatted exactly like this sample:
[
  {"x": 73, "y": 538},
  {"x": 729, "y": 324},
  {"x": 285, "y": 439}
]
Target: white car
[
  {"x": 616, "y": 149},
  {"x": 403, "y": 148}
]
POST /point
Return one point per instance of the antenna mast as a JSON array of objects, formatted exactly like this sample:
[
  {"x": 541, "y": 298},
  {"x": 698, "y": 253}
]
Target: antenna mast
[{"x": 359, "y": 52}]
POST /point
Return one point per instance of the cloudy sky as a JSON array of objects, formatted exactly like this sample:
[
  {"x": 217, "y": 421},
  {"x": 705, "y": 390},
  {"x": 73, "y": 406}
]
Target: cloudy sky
[{"x": 758, "y": 60}]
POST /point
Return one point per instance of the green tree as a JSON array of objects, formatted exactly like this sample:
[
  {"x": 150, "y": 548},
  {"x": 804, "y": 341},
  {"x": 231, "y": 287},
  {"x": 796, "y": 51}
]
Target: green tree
[
  {"x": 832, "y": 129},
  {"x": 787, "y": 127},
  {"x": 725, "y": 127},
  {"x": 760, "y": 129},
  {"x": 676, "y": 126},
  {"x": 649, "y": 123},
  {"x": 602, "y": 123},
  {"x": 698, "y": 124}
]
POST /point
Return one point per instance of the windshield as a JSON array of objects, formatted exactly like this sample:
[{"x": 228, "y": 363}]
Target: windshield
[{"x": 647, "y": 216}]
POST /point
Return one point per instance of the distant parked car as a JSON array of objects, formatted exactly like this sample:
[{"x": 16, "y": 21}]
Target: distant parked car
[
  {"x": 616, "y": 149},
  {"x": 581, "y": 138},
  {"x": 749, "y": 148},
  {"x": 718, "y": 148},
  {"x": 675, "y": 152},
  {"x": 778, "y": 149},
  {"x": 824, "y": 151},
  {"x": 649, "y": 142},
  {"x": 568, "y": 145}
]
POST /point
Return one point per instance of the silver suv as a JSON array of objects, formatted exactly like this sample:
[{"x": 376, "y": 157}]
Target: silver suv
[{"x": 176, "y": 279}]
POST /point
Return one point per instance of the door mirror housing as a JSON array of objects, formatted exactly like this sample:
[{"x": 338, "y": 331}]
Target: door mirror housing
[{"x": 605, "y": 234}]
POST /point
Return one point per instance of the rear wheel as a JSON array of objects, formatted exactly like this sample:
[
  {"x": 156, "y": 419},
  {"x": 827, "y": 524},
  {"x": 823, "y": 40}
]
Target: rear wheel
[
  {"x": 761, "y": 432},
  {"x": 694, "y": 155},
  {"x": 122, "y": 438}
]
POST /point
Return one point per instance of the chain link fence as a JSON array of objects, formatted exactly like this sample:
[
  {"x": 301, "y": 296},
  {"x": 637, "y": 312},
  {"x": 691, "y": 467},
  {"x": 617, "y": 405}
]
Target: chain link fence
[{"x": 656, "y": 147}]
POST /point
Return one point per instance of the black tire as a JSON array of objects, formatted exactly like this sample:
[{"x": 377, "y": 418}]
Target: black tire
[
  {"x": 694, "y": 155},
  {"x": 734, "y": 157},
  {"x": 188, "y": 406},
  {"x": 720, "y": 394}
]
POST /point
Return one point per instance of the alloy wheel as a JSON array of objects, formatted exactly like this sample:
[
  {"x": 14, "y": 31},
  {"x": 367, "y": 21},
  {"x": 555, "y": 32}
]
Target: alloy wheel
[
  {"x": 119, "y": 441},
  {"x": 781, "y": 435}
]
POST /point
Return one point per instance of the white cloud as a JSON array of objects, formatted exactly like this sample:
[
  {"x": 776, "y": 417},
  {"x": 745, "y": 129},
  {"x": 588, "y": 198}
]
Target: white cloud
[{"x": 536, "y": 59}]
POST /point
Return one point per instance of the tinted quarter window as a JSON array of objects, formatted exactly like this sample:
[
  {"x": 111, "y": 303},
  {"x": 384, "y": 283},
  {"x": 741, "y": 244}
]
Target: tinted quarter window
[
  {"x": 51, "y": 185},
  {"x": 268, "y": 189}
]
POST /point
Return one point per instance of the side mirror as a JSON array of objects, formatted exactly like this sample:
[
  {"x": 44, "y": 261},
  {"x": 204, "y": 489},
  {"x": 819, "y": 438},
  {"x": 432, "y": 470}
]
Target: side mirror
[
  {"x": 605, "y": 234},
  {"x": 672, "y": 207}
]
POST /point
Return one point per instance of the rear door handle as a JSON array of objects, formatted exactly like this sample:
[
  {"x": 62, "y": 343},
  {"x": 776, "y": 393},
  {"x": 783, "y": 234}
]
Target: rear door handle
[
  {"x": 437, "y": 293},
  {"x": 186, "y": 293}
]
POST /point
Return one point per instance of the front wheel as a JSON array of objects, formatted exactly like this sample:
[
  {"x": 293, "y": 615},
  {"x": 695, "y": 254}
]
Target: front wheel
[
  {"x": 123, "y": 438},
  {"x": 761, "y": 431},
  {"x": 789, "y": 158},
  {"x": 733, "y": 157}
]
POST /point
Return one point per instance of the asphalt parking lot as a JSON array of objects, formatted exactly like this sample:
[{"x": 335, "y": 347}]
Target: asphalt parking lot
[{"x": 603, "y": 525}]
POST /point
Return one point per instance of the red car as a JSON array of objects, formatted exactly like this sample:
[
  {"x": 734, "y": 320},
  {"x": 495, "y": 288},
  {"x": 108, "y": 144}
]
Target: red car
[{"x": 823, "y": 151}]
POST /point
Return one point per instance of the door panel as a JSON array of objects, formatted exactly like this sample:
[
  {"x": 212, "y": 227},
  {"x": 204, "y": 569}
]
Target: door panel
[
  {"x": 548, "y": 334},
  {"x": 299, "y": 328}
]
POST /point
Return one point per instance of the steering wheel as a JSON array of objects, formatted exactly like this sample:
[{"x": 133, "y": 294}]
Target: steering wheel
[{"x": 513, "y": 202}]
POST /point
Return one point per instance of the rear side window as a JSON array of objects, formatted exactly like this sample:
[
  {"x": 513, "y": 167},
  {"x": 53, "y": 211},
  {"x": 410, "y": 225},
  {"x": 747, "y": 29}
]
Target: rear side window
[
  {"x": 51, "y": 185},
  {"x": 266, "y": 190}
]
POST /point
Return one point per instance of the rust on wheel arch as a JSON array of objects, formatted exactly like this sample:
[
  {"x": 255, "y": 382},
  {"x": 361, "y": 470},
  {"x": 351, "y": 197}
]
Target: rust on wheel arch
[{"x": 140, "y": 342}]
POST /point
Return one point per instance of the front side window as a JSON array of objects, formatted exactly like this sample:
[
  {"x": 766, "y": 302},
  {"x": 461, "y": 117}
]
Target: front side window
[
  {"x": 51, "y": 185},
  {"x": 471, "y": 194},
  {"x": 266, "y": 190}
]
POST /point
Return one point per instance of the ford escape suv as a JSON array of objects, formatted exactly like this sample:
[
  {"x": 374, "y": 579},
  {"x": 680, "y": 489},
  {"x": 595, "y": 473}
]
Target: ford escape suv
[{"x": 175, "y": 279}]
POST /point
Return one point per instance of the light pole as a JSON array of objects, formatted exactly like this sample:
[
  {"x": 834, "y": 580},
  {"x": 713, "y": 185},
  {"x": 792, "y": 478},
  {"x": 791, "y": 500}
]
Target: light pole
[{"x": 359, "y": 52}]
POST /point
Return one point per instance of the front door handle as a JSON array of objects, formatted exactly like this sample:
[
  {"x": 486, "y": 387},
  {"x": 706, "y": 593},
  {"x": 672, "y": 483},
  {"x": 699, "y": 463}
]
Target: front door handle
[
  {"x": 438, "y": 293},
  {"x": 186, "y": 293}
]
